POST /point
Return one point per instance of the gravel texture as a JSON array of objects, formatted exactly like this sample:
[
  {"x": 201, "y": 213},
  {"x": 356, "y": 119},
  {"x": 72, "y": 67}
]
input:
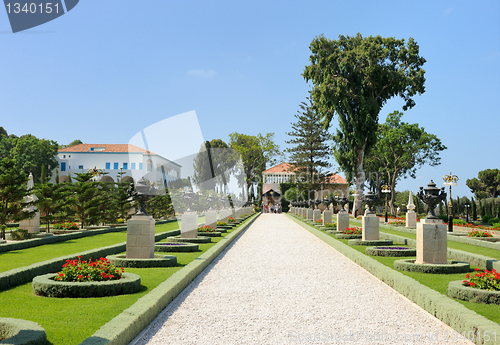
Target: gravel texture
[{"x": 279, "y": 284}]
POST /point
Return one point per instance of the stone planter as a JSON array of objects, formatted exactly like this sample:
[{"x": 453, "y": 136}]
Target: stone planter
[
  {"x": 452, "y": 267},
  {"x": 176, "y": 247},
  {"x": 456, "y": 289},
  {"x": 156, "y": 261},
  {"x": 44, "y": 285},
  {"x": 376, "y": 251},
  {"x": 20, "y": 332}
]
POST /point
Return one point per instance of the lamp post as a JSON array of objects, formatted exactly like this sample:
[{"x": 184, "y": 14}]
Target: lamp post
[
  {"x": 450, "y": 180},
  {"x": 467, "y": 205},
  {"x": 386, "y": 189}
]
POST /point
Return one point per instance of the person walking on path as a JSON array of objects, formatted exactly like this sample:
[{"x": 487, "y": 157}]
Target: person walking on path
[{"x": 280, "y": 284}]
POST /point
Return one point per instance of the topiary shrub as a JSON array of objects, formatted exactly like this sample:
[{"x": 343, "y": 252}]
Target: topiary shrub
[{"x": 492, "y": 221}]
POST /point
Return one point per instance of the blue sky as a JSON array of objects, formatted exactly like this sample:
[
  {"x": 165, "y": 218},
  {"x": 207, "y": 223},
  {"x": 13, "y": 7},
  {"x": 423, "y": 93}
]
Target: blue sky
[{"x": 107, "y": 69}]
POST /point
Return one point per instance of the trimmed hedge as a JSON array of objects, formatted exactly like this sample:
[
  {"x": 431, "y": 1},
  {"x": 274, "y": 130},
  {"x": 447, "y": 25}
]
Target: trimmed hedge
[
  {"x": 444, "y": 308},
  {"x": 46, "y": 286},
  {"x": 21, "y": 332},
  {"x": 457, "y": 289},
  {"x": 210, "y": 234},
  {"x": 204, "y": 239},
  {"x": 390, "y": 252},
  {"x": 348, "y": 237},
  {"x": 409, "y": 265},
  {"x": 157, "y": 261},
  {"x": 358, "y": 242},
  {"x": 184, "y": 248},
  {"x": 25, "y": 274}
]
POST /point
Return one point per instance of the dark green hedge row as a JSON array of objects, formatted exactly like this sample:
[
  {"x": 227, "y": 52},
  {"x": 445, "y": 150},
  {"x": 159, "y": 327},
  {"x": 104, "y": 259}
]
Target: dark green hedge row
[
  {"x": 25, "y": 274},
  {"x": 210, "y": 234},
  {"x": 45, "y": 286},
  {"x": 409, "y": 265},
  {"x": 456, "y": 289},
  {"x": 186, "y": 247},
  {"x": 157, "y": 261},
  {"x": 390, "y": 252},
  {"x": 21, "y": 332},
  {"x": 358, "y": 242},
  {"x": 204, "y": 239}
]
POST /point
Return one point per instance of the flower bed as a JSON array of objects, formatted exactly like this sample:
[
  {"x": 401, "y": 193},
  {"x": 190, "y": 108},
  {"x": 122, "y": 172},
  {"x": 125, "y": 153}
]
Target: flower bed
[
  {"x": 79, "y": 270},
  {"x": 485, "y": 280},
  {"x": 46, "y": 285},
  {"x": 221, "y": 223},
  {"x": 457, "y": 289},
  {"x": 176, "y": 247},
  {"x": 330, "y": 225},
  {"x": 210, "y": 234},
  {"x": 391, "y": 251},
  {"x": 231, "y": 220},
  {"x": 65, "y": 226},
  {"x": 479, "y": 233},
  {"x": 355, "y": 230},
  {"x": 206, "y": 228}
]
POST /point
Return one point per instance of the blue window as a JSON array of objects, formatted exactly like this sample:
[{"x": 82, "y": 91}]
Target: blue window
[
  {"x": 132, "y": 166},
  {"x": 140, "y": 166},
  {"x": 63, "y": 166},
  {"x": 80, "y": 167},
  {"x": 115, "y": 166},
  {"x": 125, "y": 166},
  {"x": 108, "y": 165}
]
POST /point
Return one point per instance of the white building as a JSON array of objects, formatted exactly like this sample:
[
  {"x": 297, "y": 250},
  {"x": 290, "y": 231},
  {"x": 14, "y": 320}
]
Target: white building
[{"x": 136, "y": 162}]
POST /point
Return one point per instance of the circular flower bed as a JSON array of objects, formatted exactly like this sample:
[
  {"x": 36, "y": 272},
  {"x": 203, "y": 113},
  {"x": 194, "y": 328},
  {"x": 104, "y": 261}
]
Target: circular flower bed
[
  {"x": 391, "y": 251},
  {"x": 176, "y": 247},
  {"x": 46, "y": 285},
  {"x": 409, "y": 265},
  {"x": 479, "y": 287},
  {"x": 17, "y": 331}
]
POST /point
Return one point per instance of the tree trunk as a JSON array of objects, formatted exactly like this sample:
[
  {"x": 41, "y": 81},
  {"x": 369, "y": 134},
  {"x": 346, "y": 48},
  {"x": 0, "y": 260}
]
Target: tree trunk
[{"x": 360, "y": 180}]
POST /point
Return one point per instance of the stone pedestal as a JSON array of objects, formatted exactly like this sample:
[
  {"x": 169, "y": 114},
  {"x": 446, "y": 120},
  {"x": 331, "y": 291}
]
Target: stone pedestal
[
  {"x": 316, "y": 215},
  {"x": 189, "y": 225},
  {"x": 411, "y": 219},
  {"x": 140, "y": 237},
  {"x": 32, "y": 224},
  {"x": 211, "y": 219},
  {"x": 327, "y": 217},
  {"x": 370, "y": 227},
  {"x": 342, "y": 221},
  {"x": 309, "y": 213},
  {"x": 431, "y": 242}
]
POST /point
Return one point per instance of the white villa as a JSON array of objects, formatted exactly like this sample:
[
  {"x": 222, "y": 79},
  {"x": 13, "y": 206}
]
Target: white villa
[
  {"x": 272, "y": 177},
  {"x": 136, "y": 162}
]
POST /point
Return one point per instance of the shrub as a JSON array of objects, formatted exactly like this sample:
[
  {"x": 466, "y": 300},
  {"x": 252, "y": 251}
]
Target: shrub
[
  {"x": 88, "y": 271},
  {"x": 257, "y": 209},
  {"x": 485, "y": 219},
  {"x": 443, "y": 218},
  {"x": 459, "y": 222},
  {"x": 65, "y": 226},
  {"x": 492, "y": 221},
  {"x": 230, "y": 220},
  {"x": 486, "y": 280},
  {"x": 21, "y": 234},
  {"x": 496, "y": 225}
]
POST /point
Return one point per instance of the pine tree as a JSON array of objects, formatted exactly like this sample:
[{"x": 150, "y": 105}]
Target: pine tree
[
  {"x": 69, "y": 178},
  {"x": 310, "y": 153},
  {"x": 43, "y": 174},
  {"x": 57, "y": 175},
  {"x": 459, "y": 209},
  {"x": 51, "y": 202},
  {"x": 474, "y": 209},
  {"x": 12, "y": 192},
  {"x": 85, "y": 199}
]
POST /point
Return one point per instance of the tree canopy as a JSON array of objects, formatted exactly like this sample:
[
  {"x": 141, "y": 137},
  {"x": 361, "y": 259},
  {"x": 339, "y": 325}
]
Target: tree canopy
[
  {"x": 400, "y": 150},
  {"x": 310, "y": 153},
  {"x": 353, "y": 77},
  {"x": 487, "y": 184}
]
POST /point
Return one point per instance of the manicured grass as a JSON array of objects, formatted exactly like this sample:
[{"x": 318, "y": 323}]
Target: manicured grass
[
  {"x": 71, "y": 320},
  {"x": 439, "y": 282},
  {"x": 25, "y": 257}
]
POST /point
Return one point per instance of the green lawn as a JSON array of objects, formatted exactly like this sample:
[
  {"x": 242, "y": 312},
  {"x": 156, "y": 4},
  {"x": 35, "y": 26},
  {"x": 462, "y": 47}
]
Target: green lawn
[{"x": 71, "y": 320}]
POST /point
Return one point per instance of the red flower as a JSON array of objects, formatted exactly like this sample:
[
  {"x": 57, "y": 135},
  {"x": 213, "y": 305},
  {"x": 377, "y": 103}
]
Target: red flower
[{"x": 80, "y": 276}]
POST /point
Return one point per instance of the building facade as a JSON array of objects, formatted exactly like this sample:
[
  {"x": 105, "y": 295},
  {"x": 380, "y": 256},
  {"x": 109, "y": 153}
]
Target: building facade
[{"x": 134, "y": 161}]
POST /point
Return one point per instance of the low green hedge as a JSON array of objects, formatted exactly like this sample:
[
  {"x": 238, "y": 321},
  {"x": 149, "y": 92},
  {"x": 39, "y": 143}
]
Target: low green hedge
[
  {"x": 184, "y": 248},
  {"x": 456, "y": 289},
  {"x": 157, "y": 261},
  {"x": 21, "y": 332},
  {"x": 204, "y": 239},
  {"x": 46, "y": 286},
  {"x": 390, "y": 252},
  {"x": 409, "y": 265},
  {"x": 358, "y": 242},
  {"x": 210, "y": 234}
]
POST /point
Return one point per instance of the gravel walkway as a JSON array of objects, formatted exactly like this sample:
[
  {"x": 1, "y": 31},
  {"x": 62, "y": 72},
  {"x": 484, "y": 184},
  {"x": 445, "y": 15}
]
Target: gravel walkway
[{"x": 279, "y": 284}]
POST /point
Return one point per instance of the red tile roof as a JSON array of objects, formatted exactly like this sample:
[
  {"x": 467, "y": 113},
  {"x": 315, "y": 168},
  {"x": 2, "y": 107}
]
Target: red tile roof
[
  {"x": 284, "y": 167},
  {"x": 108, "y": 148}
]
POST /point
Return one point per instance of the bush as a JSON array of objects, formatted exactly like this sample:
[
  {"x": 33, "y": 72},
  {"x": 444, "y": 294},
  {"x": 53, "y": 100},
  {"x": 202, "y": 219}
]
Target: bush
[
  {"x": 496, "y": 225},
  {"x": 90, "y": 271},
  {"x": 459, "y": 222},
  {"x": 444, "y": 218},
  {"x": 21, "y": 234},
  {"x": 257, "y": 209},
  {"x": 492, "y": 221},
  {"x": 479, "y": 233},
  {"x": 485, "y": 219},
  {"x": 65, "y": 226},
  {"x": 219, "y": 223}
]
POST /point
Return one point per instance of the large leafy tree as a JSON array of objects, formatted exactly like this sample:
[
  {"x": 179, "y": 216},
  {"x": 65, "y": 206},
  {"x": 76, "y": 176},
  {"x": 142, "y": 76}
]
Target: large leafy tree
[
  {"x": 487, "y": 184},
  {"x": 353, "y": 77},
  {"x": 31, "y": 153},
  {"x": 310, "y": 153},
  {"x": 256, "y": 153},
  {"x": 400, "y": 150},
  {"x": 12, "y": 193}
]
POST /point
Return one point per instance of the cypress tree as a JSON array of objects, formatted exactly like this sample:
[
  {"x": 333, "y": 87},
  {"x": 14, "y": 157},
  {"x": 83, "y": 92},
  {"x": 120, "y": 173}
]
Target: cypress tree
[
  {"x": 440, "y": 208},
  {"x": 43, "y": 174},
  {"x": 57, "y": 175},
  {"x": 459, "y": 211},
  {"x": 474, "y": 209}
]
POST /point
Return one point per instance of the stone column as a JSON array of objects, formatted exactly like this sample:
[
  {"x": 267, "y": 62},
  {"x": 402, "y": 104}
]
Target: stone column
[
  {"x": 140, "y": 237},
  {"x": 432, "y": 242},
  {"x": 370, "y": 225},
  {"x": 411, "y": 216},
  {"x": 189, "y": 225}
]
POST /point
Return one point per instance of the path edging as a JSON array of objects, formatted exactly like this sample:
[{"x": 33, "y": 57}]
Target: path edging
[
  {"x": 130, "y": 323},
  {"x": 442, "y": 307}
]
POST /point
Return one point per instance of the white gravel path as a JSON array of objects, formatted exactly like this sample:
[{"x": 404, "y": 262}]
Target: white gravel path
[{"x": 279, "y": 284}]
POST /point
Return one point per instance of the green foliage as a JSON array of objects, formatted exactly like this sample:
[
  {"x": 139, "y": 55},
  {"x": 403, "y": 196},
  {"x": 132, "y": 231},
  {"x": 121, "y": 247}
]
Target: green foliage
[
  {"x": 12, "y": 192},
  {"x": 493, "y": 220},
  {"x": 159, "y": 206},
  {"x": 474, "y": 209},
  {"x": 75, "y": 142},
  {"x": 3, "y": 133},
  {"x": 487, "y": 184},
  {"x": 51, "y": 202},
  {"x": 444, "y": 218},
  {"x": 88, "y": 271},
  {"x": 459, "y": 222},
  {"x": 485, "y": 280},
  {"x": 402, "y": 148},
  {"x": 310, "y": 152},
  {"x": 354, "y": 77},
  {"x": 21, "y": 234},
  {"x": 84, "y": 199},
  {"x": 65, "y": 226}
]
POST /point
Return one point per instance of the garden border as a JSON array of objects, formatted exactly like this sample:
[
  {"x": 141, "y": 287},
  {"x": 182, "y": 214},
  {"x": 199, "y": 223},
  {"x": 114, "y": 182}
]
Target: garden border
[
  {"x": 22, "y": 332},
  {"x": 442, "y": 307},
  {"x": 457, "y": 290},
  {"x": 130, "y": 323}
]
